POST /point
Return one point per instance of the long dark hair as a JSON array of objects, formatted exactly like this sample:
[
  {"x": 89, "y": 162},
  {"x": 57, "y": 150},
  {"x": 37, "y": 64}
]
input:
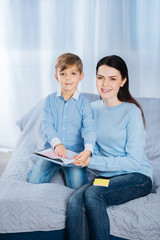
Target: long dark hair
[{"x": 119, "y": 64}]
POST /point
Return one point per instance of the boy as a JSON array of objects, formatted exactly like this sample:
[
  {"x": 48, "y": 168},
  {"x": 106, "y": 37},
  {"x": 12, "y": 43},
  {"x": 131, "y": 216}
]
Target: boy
[{"x": 67, "y": 124}]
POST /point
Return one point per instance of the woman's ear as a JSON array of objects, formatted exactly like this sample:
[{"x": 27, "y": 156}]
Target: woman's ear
[{"x": 123, "y": 82}]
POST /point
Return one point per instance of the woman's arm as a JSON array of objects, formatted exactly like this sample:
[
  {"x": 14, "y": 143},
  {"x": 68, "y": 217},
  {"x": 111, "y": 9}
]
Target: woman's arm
[{"x": 88, "y": 128}]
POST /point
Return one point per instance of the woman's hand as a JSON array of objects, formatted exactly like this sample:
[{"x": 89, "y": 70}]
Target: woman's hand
[
  {"x": 86, "y": 163},
  {"x": 60, "y": 150},
  {"x": 82, "y": 159}
]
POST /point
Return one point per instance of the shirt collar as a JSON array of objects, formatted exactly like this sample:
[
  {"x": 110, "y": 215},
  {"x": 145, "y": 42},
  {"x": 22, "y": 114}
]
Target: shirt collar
[{"x": 75, "y": 95}]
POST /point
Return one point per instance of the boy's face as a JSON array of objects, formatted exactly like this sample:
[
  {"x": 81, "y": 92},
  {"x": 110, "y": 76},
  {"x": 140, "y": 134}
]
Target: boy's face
[{"x": 69, "y": 79}]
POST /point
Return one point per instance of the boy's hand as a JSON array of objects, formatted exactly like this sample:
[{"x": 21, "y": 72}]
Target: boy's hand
[
  {"x": 60, "y": 150},
  {"x": 81, "y": 158}
]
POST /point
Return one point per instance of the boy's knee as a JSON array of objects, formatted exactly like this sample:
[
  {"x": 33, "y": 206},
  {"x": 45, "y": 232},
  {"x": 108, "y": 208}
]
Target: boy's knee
[
  {"x": 33, "y": 179},
  {"x": 75, "y": 177},
  {"x": 42, "y": 172}
]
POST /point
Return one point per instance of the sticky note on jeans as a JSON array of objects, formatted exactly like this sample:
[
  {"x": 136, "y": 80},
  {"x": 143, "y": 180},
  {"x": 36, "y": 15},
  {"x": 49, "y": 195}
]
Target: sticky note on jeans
[{"x": 101, "y": 182}]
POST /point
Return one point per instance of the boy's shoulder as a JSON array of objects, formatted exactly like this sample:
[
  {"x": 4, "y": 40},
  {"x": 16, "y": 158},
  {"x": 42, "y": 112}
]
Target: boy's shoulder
[{"x": 52, "y": 95}]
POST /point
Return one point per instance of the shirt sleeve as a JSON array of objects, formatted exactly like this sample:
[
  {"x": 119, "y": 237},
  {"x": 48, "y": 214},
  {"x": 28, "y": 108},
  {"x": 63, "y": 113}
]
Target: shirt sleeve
[
  {"x": 88, "y": 128},
  {"x": 96, "y": 150},
  {"x": 134, "y": 149},
  {"x": 48, "y": 124}
]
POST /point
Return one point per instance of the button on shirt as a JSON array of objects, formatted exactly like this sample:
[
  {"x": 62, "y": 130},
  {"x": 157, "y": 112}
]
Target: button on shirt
[{"x": 69, "y": 122}]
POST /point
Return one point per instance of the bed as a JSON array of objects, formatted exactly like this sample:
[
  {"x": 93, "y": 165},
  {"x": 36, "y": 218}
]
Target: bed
[{"x": 37, "y": 211}]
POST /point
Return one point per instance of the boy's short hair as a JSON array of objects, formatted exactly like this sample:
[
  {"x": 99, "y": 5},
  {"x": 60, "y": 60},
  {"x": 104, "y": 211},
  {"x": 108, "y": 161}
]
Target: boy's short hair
[{"x": 67, "y": 60}]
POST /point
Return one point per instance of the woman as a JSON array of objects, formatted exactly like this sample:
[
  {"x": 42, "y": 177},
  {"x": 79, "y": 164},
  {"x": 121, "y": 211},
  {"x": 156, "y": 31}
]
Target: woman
[{"x": 119, "y": 155}]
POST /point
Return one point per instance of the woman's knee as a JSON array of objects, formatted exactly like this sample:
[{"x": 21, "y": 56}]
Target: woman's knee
[
  {"x": 90, "y": 195},
  {"x": 75, "y": 201},
  {"x": 93, "y": 196}
]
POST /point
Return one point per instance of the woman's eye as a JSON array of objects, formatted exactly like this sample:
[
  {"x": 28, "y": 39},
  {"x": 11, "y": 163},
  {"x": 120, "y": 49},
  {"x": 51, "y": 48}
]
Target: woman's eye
[
  {"x": 100, "y": 78},
  {"x": 113, "y": 79}
]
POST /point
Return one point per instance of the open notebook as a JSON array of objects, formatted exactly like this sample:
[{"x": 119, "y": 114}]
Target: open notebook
[{"x": 50, "y": 155}]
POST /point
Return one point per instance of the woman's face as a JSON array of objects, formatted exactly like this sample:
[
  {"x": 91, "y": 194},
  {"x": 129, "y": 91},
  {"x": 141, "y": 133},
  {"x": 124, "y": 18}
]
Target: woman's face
[{"x": 108, "y": 82}]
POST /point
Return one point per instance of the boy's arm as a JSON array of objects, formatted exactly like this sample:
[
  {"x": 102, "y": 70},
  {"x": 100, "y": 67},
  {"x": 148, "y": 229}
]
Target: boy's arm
[
  {"x": 48, "y": 125},
  {"x": 60, "y": 150}
]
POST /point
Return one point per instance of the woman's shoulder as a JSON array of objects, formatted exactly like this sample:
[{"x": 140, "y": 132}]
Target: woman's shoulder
[
  {"x": 125, "y": 108},
  {"x": 132, "y": 108},
  {"x": 97, "y": 104},
  {"x": 132, "y": 111},
  {"x": 126, "y": 105}
]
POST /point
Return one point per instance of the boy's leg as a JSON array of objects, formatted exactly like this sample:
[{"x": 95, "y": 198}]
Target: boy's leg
[
  {"x": 75, "y": 176},
  {"x": 42, "y": 172}
]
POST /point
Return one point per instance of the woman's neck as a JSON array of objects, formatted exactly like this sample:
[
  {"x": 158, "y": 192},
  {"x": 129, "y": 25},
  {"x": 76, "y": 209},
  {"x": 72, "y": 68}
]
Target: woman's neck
[{"x": 111, "y": 102}]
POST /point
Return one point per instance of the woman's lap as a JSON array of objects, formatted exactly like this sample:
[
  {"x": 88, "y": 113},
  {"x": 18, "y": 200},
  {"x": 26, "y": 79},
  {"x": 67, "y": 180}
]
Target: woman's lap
[
  {"x": 122, "y": 189},
  {"x": 96, "y": 199}
]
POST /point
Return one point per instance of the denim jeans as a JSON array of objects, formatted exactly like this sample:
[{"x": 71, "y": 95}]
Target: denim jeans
[
  {"x": 45, "y": 170},
  {"x": 87, "y": 216}
]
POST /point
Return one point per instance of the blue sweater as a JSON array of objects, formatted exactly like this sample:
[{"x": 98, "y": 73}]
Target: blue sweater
[{"x": 120, "y": 140}]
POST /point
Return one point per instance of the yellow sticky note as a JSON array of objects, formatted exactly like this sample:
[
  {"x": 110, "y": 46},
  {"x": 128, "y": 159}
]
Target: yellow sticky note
[{"x": 101, "y": 182}]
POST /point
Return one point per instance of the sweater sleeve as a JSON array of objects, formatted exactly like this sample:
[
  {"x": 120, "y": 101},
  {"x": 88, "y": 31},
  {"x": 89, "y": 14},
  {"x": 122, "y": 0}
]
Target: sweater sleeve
[
  {"x": 88, "y": 127},
  {"x": 133, "y": 149}
]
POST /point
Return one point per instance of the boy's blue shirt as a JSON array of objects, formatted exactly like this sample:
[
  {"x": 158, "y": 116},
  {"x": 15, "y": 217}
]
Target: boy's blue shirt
[{"x": 69, "y": 122}]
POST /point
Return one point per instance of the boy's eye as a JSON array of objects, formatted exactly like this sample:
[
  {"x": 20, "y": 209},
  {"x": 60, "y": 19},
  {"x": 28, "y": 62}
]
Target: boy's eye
[
  {"x": 74, "y": 73},
  {"x": 61, "y": 74},
  {"x": 99, "y": 77}
]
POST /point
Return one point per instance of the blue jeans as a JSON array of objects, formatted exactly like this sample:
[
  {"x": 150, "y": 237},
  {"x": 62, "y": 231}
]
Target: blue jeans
[
  {"x": 44, "y": 171},
  {"x": 87, "y": 216}
]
